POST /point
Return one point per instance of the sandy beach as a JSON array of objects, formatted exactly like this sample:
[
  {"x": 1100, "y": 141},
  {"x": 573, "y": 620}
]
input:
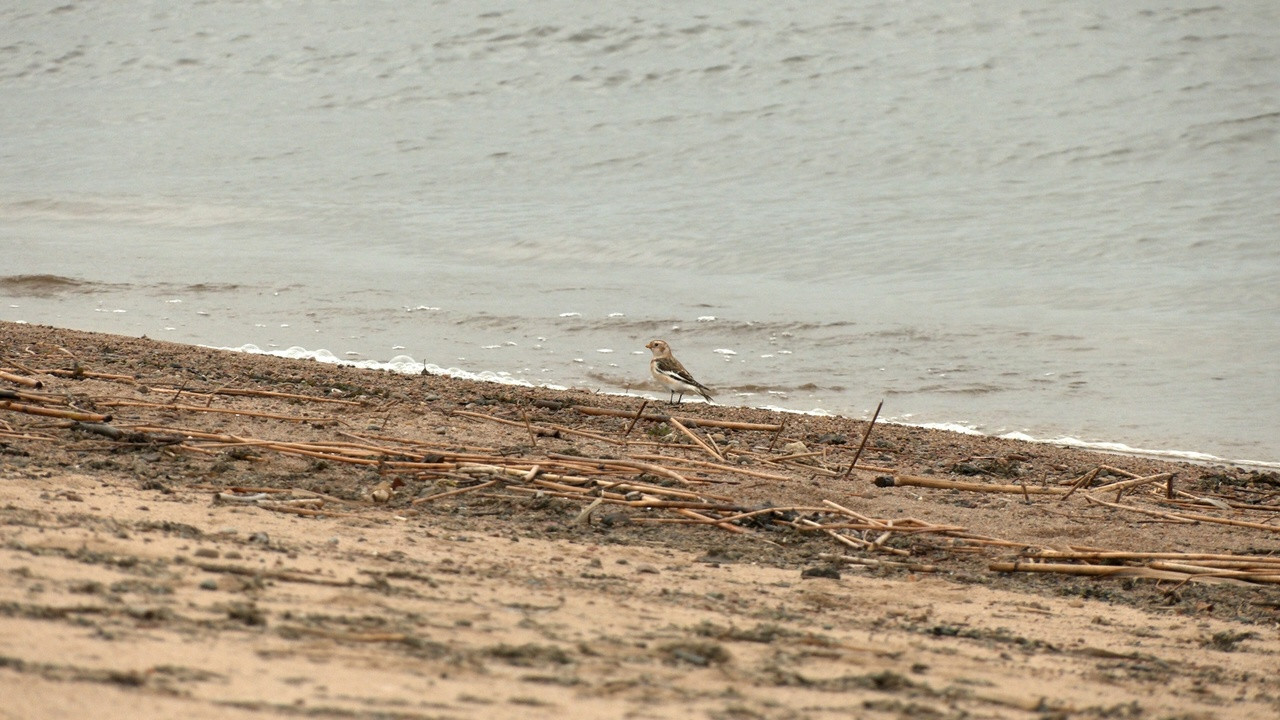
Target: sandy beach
[{"x": 199, "y": 533}]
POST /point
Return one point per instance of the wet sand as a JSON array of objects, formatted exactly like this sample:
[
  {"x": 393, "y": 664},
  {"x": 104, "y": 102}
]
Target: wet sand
[{"x": 248, "y": 536}]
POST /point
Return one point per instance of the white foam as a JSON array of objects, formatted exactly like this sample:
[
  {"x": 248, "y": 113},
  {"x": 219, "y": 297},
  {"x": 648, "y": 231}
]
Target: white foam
[
  {"x": 402, "y": 364},
  {"x": 724, "y": 351}
]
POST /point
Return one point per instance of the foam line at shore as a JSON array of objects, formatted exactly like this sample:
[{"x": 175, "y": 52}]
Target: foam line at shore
[{"x": 408, "y": 366}]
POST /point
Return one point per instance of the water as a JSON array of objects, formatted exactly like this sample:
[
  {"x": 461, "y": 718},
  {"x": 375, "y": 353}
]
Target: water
[{"x": 1054, "y": 219}]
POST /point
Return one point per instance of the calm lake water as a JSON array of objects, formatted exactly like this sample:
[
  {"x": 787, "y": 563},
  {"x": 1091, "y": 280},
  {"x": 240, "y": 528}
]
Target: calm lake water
[{"x": 1060, "y": 220}]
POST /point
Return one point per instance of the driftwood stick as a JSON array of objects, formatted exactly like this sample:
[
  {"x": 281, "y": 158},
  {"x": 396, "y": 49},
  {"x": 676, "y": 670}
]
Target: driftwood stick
[
  {"x": 943, "y": 484},
  {"x": 21, "y": 380},
  {"x": 688, "y": 421},
  {"x": 697, "y": 440},
  {"x": 53, "y": 412},
  {"x": 865, "y": 437}
]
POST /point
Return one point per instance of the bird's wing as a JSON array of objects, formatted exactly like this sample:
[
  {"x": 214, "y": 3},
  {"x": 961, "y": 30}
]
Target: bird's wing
[{"x": 673, "y": 369}]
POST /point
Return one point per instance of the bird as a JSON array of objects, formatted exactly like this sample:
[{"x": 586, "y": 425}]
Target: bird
[{"x": 667, "y": 370}]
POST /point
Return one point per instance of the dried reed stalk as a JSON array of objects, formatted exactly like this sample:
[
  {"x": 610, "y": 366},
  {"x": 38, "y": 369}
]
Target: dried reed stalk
[
  {"x": 1110, "y": 571},
  {"x": 1134, "y": 482},
  {"x": 697, "y": 440},
  {"x": 865, "y": 437},
  {"x": 53, "y": 412},
  {"x": 449, "y": 493},
  {"x": 943, "y": 484},
  {"x": 714, "y": 466},
  {"x": 1187, "y": 517},
  {"x": 21, "y": 380}
]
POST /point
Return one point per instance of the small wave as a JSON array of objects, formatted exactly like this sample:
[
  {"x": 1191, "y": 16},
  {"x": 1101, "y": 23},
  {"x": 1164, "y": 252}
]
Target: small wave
[{"x": 45, "y": 286}]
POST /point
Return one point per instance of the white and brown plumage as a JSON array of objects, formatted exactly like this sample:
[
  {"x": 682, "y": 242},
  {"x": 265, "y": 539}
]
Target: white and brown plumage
[{"x": 667, "y": 370}]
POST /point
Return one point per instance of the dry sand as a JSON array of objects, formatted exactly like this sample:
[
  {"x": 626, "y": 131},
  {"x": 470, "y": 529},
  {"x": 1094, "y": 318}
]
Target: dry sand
[{"x": 143, "y": 579}]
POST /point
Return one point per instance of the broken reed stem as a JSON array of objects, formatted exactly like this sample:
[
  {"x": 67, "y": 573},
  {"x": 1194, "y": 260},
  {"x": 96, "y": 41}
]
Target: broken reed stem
[
  {"x": 943, "y": 484},
  {"x": 533, "y": 439},
  {"x": 36, "y": 398},
  {"x": 1114, "y": 571},
  {"x": 459, "y": 491},
  {"x": 633, "y": 464},
  {"x": 865, "y": 437},
  {"x": 1187, "y": 517},
  {"x": 777, "y": 434},
  {"x": 78, "y": 372},
  {"x": 1083, "y": 481},
  {"x": 1135, "y": 555},
  {"x": 21, "y": 380},
  {"x": 1135, "y": 482},
  {"x": 714, "y": 466},
  {"x": 697, "y": 440},
  {"x": 718, "y": 523},
  {"x": 875, "y": 562},
  {"x": 53, "y": 412},
  {"x": 632, "y": 424}
]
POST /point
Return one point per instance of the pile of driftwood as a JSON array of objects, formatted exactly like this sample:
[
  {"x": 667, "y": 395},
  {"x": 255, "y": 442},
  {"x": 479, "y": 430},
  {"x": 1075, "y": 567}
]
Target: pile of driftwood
[{"x": 686, "y": 483}]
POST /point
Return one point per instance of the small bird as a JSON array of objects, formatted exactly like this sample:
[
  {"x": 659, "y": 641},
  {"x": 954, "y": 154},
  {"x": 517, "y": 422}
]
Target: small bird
[{"x": 667, "y": 370}]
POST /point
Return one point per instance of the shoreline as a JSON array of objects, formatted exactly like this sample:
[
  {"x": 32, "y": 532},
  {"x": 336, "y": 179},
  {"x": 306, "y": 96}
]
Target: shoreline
[
  {"x": 409, "y": 366},
  {"x": 193, "y": 531}
]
